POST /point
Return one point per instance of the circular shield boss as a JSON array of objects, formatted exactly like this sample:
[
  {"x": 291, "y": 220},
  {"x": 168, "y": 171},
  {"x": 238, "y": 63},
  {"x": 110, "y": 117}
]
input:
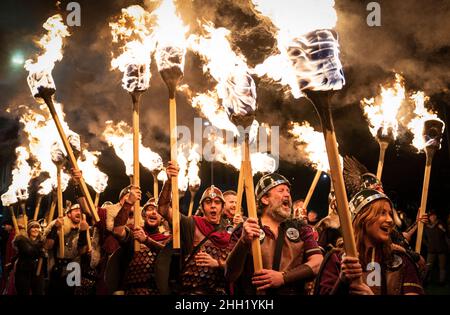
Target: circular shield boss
[{"x": 293, "y": 234}]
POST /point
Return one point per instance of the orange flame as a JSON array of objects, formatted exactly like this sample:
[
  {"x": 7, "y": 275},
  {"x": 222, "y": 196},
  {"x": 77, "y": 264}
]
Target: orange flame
[
  {"x": 382, "y": 113},
  {"x": 120, "y": 137},
  {"x": 21, "y": 176},
  {"x": 170, "y": 35},
  {"x": 292, "y": 21},
  {"x": 312, "y": 144},
  {"x": 422, "y": 114},
  {"x": 93, "y": 176},
  {"x": 134, "y": 28},
  {"x": 193, "y": 168},
  {"x": 40, "y": 72}
]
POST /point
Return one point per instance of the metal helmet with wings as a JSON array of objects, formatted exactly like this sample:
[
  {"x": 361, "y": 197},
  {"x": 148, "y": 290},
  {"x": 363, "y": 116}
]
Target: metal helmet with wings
[{"x": 357, "y": 177}]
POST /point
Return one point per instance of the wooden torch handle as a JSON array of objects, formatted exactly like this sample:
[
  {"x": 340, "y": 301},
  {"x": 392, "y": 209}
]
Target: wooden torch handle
[
  {"x": 173, "y": 157},
  {"x": 73, "y": 160},
  {"x": 311, "y": 189}
]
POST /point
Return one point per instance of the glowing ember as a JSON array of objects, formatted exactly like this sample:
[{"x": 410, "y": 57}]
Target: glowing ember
[
  {"x": 21, "y": 176},
  {"x": 120, "y": 137},
  {"x": 308, "y": 50},
  {"x": 382, "y": 112},
  {"x": 92, "y": 175},
  {"x": 193, "y": 169},
  {"x": 312, "y": 145},
  {"x": 416, "y": 126},
  {"x": 52, "y": 42},
  {"x": 134, "y": 28}
]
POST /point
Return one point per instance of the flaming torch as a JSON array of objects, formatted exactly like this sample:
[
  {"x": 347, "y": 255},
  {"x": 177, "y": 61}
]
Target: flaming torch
[
  {"x": 240, "y": 103},
  {"x": 383, "y": 117},
  {"x": 428, "y": 130},
  {"x": 135, "y": 65},
  {"x": 169, "y": 55},
  {"x": 313, "y": 50},
  {"x": 42, "y": 86},
  {"x": 18, "y": 190}
]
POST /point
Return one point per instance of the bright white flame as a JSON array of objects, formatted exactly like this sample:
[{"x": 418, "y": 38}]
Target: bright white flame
[
  {"x": 21, "y": 176},
  {"x": 43, "y": 142},
  {"x": 193, "y": 168},
  {"x": 208, "y": 104},
  {"x": 416, "y": 126},
  {"x": 170, "y": 35},
  {"x": 293, "y": 21},
  {"x": 382, "y": 112},
  {"x": 162, "y": 176},
  {"x": 120, "y": 137},
  {"x": 230, "y": 154},
  {"x": 134, "y": 28},
  {"x": 40, "y": 72},
  {"x": 235, "y": 87},
  {"x": 92, "y": 175},
  {"x": 183, "y": 180},
  {"x": 312, "y": 145}
]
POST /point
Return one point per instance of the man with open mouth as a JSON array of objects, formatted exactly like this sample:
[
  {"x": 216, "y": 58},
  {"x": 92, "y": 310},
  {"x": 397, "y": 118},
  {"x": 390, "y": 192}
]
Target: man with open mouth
[
  {"x": 290, "y": 255},
  {"x": 204, "y": 241}
]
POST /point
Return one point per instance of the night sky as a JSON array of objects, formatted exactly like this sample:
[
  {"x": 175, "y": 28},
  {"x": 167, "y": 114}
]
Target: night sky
[{"x": 413, "y": 40}]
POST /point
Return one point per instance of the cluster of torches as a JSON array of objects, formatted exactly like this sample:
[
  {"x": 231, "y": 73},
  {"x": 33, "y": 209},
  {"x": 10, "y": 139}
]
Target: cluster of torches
[{"x": 307, "y": 63}]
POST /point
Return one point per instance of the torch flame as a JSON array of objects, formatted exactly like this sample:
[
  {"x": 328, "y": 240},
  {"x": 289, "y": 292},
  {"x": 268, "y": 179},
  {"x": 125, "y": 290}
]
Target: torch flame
[
  {"x": 193, "y": 168},
  {"x": 235, "y": 87},
  {"x": 416, "y": 125},
  {"x": 182, "y": 161},
  {"x": 120, "y": 137},
  {"x": 52, "y": 42},
  {"x": 21, "y": 176},
  {"x": 170, "y": 35},
  {"x": 293, "y": 24},
  {"x": 230, "y": 154},
  {"x": 135, "y": 59},
  {"x": 312, "y": 145},
  {"x": 382, "y": 113},
  {"x": 93, "y": 176}
]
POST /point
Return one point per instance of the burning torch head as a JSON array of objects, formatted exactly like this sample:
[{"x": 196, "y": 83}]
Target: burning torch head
[
  {"x": 385, "y": 136},
  {"x": 57, "y": 154},
  {"x": 315, "y": 59},
  {"x": 41, "y": 84},
  {"x": 432, "y": 133},
  {"x": 136, "y": 77},
  {"x": 240, "y": 98},
  {"x": 75, "y": 143},
  {"x": 170, "y": 62}
]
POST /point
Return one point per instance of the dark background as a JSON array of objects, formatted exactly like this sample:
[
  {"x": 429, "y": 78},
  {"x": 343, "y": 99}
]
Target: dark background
[{"x": 413, "y": 40}]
